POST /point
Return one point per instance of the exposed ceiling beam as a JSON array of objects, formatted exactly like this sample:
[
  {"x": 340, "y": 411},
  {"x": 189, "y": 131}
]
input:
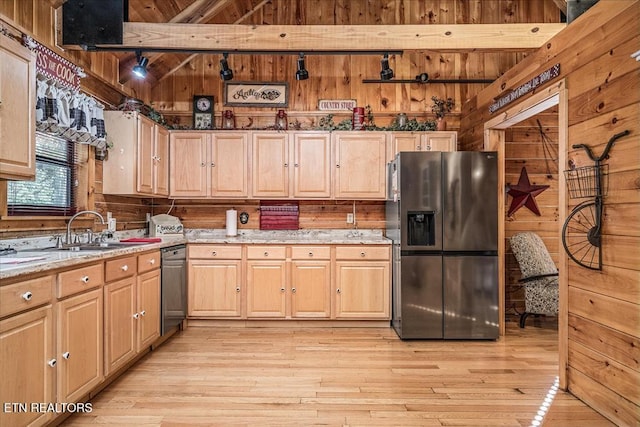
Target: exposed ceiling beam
[
  {"x": 562, "y": 5},
  {"x": 309, "y": 38}
]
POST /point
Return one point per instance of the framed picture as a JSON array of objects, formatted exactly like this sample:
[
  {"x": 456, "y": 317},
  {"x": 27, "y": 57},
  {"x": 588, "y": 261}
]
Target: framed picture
[
  {"x": 203, "y": 112},
  {"x": 251, "y": 94}
]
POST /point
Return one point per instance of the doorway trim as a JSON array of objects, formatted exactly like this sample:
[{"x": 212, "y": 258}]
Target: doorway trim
[{"x": 494, "y": 140}]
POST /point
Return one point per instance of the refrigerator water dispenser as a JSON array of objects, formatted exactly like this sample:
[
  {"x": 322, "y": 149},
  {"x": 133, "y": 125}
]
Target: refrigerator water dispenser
[{"x": 421, "y": 228}]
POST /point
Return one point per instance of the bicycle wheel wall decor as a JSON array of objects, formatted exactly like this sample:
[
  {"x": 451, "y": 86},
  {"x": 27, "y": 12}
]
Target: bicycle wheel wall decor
[{"x": 581, "y": 236}]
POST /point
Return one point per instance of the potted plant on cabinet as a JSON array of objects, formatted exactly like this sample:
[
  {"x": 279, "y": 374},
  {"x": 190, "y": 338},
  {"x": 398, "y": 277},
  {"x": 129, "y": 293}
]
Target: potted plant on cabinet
[{"x": 440, "y": 108}]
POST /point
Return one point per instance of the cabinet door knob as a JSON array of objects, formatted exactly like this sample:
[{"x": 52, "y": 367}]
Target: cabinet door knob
[
  {"x": 293, "y": 290},
  {"x": 136, "y": 315},
  {"x": 428, "y": 148},
  {"x": 27, "y": 296},
  {"x": 152, "y": 261},
  {"x": 213, "y": 165},
  {"x": 237, "y": 288},
  {"x": 84, "y": 279},
  {"x": 418, "y": 147},
  {"x": 125, "y": 267},
  {"x": 143, "y": 312},
  {"x": 296, "y": 165},
  {"x": 66, "y": 355},
  {"x": 286, "y": 165},
  {"x": 337, "y": 166},
  {"x": 282, "y": 289},
  {"x": 338, "y": 290},
  {"x": 52, "y": 362}
]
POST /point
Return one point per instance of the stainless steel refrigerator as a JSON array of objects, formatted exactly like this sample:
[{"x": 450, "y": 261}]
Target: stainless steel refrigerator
[{"x": 442, "y": 215}]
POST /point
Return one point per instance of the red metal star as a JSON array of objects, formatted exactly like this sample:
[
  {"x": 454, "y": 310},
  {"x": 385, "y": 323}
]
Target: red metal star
[{"x": 524, "y": 194}]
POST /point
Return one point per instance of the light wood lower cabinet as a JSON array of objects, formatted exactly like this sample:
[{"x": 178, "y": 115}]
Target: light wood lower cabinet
[
  {"x": 79, "y": 345},
  {"x": 131, "y": 311},
  {"x": 289, "y": 282},
  {"x": 362, "y": 285},
  {"x": 28, "y": 366},
  {"x": 310, "y": 282},
  {"x": 215, "y": 278}
]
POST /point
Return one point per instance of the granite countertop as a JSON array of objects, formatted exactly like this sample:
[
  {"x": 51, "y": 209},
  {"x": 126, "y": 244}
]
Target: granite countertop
[
  {"x": 290, "y": 237},
  {"x": 32, "y": 258}
]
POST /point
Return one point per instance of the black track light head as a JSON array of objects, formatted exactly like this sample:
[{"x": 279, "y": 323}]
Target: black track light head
[
  {"x": 386, "y": 73},
  {"x": 140, "y": 69},
  {"x": 302, "y": 73},
  {"x": 226, "y": 73}
]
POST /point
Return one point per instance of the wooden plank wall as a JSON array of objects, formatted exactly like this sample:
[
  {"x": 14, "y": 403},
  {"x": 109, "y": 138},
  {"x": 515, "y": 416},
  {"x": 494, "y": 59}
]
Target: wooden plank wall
[
  {"x": 340, "y": 76},
  {"x": 331, "y": 77},
  {"x": 604, "y": 94},
  {"x": 526, "y": 147},
  {"x": 313, "y": 214}
]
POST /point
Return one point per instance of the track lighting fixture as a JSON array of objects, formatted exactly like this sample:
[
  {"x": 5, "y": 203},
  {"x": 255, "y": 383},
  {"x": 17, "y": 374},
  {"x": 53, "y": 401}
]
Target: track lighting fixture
[
  {"x": 302, "y": 73},
  {"x": 226, "y": 73},
  {"x": 140, "y": 69},
  {"x": 386, "y": 73}
]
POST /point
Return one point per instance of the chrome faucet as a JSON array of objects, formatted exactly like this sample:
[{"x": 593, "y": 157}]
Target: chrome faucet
[{"x": 68, "y": 236}]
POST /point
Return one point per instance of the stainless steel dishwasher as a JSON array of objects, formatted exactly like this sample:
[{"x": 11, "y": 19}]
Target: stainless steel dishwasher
[{"x": 174, "y": 286}]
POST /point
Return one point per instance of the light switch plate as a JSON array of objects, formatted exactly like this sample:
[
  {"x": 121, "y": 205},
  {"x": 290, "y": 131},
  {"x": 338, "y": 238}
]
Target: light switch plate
[{"x": 349, "y": 218}]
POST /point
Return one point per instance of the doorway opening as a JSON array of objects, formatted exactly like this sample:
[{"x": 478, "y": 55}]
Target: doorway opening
[{"x": 496, "y": 133}]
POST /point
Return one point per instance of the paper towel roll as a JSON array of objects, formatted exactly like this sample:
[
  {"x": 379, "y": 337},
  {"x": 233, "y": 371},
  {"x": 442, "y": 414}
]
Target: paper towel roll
[{"x": 232, "y": 222}]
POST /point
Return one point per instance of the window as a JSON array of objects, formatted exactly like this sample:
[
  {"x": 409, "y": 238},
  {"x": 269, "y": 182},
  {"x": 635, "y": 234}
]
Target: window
[{"x": 52, "y": 192}]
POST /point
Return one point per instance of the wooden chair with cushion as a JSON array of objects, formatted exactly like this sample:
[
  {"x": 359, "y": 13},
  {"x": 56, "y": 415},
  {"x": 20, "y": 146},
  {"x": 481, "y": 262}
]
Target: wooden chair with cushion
[{"x": 539, "y": 275}]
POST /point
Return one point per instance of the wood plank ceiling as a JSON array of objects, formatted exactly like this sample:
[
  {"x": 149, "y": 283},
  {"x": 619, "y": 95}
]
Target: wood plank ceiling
[{"x": 162, "y": 24}]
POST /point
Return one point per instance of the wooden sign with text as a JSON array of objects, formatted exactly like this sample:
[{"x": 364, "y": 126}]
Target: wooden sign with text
[{"x": 525, "y": 88}]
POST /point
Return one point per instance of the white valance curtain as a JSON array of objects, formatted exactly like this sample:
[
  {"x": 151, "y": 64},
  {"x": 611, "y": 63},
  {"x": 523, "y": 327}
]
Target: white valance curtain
[{"x": 69, "y": 113}]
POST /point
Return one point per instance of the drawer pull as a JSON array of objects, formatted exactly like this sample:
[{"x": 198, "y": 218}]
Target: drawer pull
[
  {"x": 136, "y": 315},
  {"x": 125, "y": 267},
  {"x": 66, "y": 355},
  {"x": 52, "y": 362},
  {"x": 214, "y": 253},
  {"x": 152, "y": 261},
  {"x": 27, "y": 296},
  {"x": 310, "y": 254},
  {"x": 363, "y": 254},
  {"x": 143, "y": 312},
  {"x": 85, "y": 279},
  {"x": 266, "y": 253}
]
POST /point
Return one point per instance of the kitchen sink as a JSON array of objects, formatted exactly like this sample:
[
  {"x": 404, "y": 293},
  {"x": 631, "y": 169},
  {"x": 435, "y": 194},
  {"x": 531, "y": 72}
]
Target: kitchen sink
[{"x": 96, "y": 246}]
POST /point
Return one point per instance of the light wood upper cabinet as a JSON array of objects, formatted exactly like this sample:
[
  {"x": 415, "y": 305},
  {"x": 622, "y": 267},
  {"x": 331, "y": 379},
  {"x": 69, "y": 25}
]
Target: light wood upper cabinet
[
  {"x": 422, "y": 141},
  {"x": 311, "y": 165},
  {"x": 229, "y": 164},
  {"x": 360, "y": 165},
  {"x": 138, "y": 163},
  {"x": 17, "y": 111},
  {"x": 209, "y": 164},
  {"x": 28, "y": 365},
  {"x": 270, "y": 164},
  {"x": 188, "y": 172}
]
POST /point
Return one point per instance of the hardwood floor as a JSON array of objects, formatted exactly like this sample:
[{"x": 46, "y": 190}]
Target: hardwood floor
[{"x": 339, "y": 377}]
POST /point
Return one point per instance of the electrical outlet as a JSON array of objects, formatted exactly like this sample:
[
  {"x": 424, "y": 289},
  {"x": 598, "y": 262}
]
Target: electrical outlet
[
  {"x": 109, "y": 216},
  {"x": 349, "y": 218}
]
